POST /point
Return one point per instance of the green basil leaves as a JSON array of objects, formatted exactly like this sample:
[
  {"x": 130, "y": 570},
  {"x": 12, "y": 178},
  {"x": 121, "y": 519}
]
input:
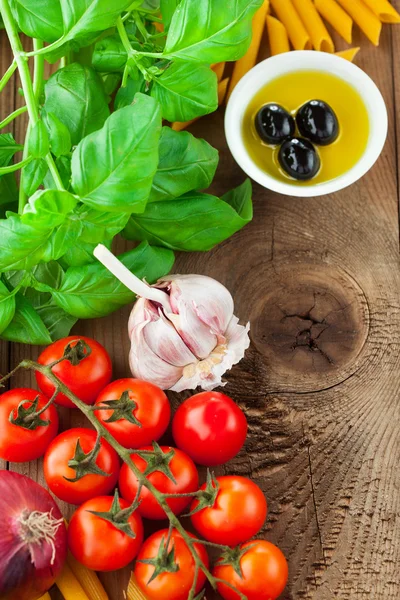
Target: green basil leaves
[
  {"x": 127, "y": 150},
  {"x": 194, "y": 222}
]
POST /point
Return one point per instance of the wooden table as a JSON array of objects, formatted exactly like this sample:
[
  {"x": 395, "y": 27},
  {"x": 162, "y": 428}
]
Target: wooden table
[{"x": 319, "y": 279}]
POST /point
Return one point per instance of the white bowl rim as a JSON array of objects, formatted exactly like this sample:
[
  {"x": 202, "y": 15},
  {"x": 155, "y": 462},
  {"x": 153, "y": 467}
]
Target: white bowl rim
[{"x": 306, "y": 60}]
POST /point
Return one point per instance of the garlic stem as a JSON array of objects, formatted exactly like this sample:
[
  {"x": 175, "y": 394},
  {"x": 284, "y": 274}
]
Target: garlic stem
[{"x": 133, "y": 283}]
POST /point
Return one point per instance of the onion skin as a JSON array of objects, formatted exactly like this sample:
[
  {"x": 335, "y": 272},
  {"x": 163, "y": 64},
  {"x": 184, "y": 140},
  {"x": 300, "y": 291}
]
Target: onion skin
[{"x": 27, "y": 570}]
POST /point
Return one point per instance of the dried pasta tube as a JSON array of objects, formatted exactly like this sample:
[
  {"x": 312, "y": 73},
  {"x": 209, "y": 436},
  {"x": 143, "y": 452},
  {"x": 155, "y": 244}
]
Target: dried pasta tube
[
  {"x": 369, "y": 23},
  {"x": 320, "y": 38},
  {"x": 348, "y": 54},
  {"x": 247, "y": 62},
  {"x": 384, "y": 11},
  {"x": 278, "y": 37},
  {"x": 337, "y": 17},
  {"x": 134, "y": 592},
  {"x": 218, "y": 69},
  {"x": 297, "y": 33}
]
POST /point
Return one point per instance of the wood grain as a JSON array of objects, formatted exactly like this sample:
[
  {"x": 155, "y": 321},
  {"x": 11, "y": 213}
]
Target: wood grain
[{"x": 319, "y": 279}]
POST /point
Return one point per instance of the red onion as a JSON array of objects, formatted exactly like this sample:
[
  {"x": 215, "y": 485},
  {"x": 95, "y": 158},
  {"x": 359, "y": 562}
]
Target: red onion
[{"x": 33, "y": 538}]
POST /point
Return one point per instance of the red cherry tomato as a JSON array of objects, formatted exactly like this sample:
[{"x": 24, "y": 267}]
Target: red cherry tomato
[
  {"x": 85, "y": 380},
  {"x": 239, "y": 512},
  {"x": 152, "y": 412},
  {"x": 184, "y": 471},
  {"x": 210, "y": 428},
  {"x": 264, "y": 573},
  {"x": 97, "y": 543},
  {"x": 169, "y": 586},
  {"x": 57, "y": 472},
  {"x": 21, "y": 444}
]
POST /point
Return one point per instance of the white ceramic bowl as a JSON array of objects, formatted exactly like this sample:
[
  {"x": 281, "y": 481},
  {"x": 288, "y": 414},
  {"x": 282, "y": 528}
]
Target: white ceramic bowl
[{"x": 305, "y": 60}]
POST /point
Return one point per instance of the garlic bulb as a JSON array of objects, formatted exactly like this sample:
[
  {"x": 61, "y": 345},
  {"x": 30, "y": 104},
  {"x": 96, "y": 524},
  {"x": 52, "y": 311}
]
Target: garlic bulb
[{"x": 183, "y": 331}]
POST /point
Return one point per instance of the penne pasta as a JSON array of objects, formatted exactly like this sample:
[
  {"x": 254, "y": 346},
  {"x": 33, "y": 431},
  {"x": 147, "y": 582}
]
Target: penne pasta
[
  {"x": 222, "y": 88},
  {"x": 278, "y": 37},
  {"x": 297, "y": 33},
  {"x": 337, "y": 17},
  {"x": 134, "y": 592},
  {"x": 243, "y": 65},
  {"x": 369, "y": 23},
  {"x": 348, "y": 54},
  {"x": 319, "y": 35},
  {"x": 383, "y": 10},
  {"x": 219, "y": 70}
]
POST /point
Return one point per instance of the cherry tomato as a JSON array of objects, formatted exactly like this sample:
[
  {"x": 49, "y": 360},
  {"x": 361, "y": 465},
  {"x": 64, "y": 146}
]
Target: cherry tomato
[
  {"x": 144, "y": 402},
  {"x": 96, "y": 542},
  {"x": 19, "y": 443},
  {"x": 85, "y": 380},
  {"x": 183, "y": 470},
  {"x": 264, "y": 573},
  {"x": 169, "y": 586},
  {"x": 57, "y": 472},
  {"x": 210, "y": 428},
  {"x": 238, "y": 513}
]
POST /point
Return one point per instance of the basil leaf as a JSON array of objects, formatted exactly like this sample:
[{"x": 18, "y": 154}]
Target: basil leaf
[
  {"x": 210, "y": 31},
  {"x": 8, "y": 194},
  {"x": 99, "y": 226},
  {"x": 39, "y": 18},
  {"x": 49, "y": 274},
  {"x": 60, "y": 137},
  {"x": 79, "y": 255},
  {"x": 109, "y": 55},
  {"x": 75, "y": 95},
  {"x": 185, "y": 163},
  {"x": 38, "y": 143},
  {"x": 127, "y": 150},
  {"x": 186, "y": 91},
  {"x": 33, "y": 236},
  {"x": 111, "y": 82},
  {"x": 240, "y": 200},
  {"x": 7, "y": 307},
  {"x": 8, "y": 147},
  {"x": 168, "y": 8},
  {"x": 125, "y": 95},
  {"x": 92, "y": 291},
  {"x": 83, "y": 17},
  {"x": 33, "y": 175},
  {"x": 194, "y": 222},
  {"x": 56, "y": 320},
  {"x": 151, "y": 5},
  {"x": 26, "y": 327}
]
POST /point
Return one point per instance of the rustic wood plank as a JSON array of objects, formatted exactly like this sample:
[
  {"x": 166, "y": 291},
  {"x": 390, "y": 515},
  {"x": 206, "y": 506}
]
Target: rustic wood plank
[{"x": 320, "y": 382}]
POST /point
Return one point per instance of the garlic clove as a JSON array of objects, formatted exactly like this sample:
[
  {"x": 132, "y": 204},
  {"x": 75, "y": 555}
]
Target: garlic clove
[
  {"x": 163, "y": 339},
  {"x": 208, "y": 373},
  {"x": 145, "y": 364},
  {"x": 196, "y": 335},
  {"x": 210, "y": 299}
]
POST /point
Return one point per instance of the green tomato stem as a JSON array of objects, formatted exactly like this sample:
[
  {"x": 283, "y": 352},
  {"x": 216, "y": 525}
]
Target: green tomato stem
[
  {"x": 8, "y": 74},
  {"x": 14, "y": 115},
  {"x": 125, "y": 455}
]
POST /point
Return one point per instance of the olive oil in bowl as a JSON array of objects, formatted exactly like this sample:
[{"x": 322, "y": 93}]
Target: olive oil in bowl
[{"x": 292, "y": 91}]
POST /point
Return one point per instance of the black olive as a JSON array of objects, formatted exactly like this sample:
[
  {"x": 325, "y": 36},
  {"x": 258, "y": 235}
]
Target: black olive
[
  {"x": 274, "y": 124},
  {"x": 299, "y": 159},
  {"x": 317, "y": 122}
]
